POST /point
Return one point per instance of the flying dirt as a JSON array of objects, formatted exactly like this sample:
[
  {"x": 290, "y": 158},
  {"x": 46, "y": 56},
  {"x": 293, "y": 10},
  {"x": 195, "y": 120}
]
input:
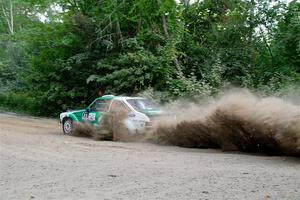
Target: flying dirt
[{"x": 236, "y": 121}]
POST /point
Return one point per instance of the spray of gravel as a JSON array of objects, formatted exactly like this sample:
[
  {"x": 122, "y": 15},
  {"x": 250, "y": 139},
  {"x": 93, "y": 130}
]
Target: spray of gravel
[
  {"x": 86, "y": 130},
  {"x": 238, "y": 120}
]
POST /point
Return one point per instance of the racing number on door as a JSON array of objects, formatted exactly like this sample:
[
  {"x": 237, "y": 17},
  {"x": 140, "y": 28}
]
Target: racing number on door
[{"x": 89, "y": 116}]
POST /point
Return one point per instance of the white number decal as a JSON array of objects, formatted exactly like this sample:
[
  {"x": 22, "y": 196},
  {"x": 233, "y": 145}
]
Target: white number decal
[
  {"x": 92, "y": 116},
  {"x": 89, "y": 116}
]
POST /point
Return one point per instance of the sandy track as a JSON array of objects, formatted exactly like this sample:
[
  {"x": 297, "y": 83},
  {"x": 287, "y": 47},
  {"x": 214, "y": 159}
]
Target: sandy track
[{"x": 38, "y": 162}]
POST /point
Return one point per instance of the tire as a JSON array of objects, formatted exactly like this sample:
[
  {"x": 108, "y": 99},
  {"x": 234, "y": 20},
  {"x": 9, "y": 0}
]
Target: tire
[{"x": 67, "y": 126}]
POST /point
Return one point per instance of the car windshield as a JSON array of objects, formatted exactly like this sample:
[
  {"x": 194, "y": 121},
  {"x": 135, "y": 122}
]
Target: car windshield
[{"x": 142, "y": 104}]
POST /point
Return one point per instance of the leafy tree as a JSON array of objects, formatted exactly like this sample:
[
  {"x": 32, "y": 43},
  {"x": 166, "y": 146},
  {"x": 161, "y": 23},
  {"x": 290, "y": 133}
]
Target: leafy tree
[{"x": 55, "y": 54}]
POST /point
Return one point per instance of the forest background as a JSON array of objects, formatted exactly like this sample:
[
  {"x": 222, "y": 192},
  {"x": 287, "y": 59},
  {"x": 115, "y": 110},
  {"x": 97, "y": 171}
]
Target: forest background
[{"x": 56, "y": 54}]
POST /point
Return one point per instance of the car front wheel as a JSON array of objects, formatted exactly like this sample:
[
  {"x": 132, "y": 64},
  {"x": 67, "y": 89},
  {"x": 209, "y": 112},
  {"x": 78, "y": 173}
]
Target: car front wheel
[{"x": 67, "y": 126}]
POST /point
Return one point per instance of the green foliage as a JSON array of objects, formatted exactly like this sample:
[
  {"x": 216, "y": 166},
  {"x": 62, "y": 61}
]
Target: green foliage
[
  {"x": 278, "y": 60},
  {"x": 165, "y": 48},
  {"x": 131, "y": 71},
  {"x": 20, "y": 102}
]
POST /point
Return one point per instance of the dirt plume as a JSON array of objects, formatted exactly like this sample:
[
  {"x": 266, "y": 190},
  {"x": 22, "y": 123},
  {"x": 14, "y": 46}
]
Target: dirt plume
[
  {"x": 238, "y": 120},
  {"x": 110, "y": 128},
  {"x": 88, "y": 131}
]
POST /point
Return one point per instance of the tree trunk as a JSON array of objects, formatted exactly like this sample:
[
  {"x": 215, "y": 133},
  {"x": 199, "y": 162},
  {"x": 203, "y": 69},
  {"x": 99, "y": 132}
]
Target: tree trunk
[
  {"x": 139, "y": 25},
  {"x": 11, "y": 18},
  {"x": 266, "y": 43},
  {"x": 119, "y": 32},
  {"x": 166, "y": 33},
  {"x": 8, "y": 15}
]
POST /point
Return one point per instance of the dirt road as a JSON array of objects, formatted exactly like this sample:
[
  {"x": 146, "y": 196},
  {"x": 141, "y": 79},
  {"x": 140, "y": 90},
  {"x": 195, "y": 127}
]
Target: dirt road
[{"x": 39, "y": 162}]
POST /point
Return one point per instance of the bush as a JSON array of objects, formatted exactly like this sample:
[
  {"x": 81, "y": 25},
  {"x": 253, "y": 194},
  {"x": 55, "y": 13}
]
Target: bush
[{"x": 20, "y": 102}]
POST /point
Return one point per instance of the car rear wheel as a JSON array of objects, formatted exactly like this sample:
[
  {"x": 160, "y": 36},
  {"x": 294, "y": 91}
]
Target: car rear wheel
[{"x": 67, "y": 126}]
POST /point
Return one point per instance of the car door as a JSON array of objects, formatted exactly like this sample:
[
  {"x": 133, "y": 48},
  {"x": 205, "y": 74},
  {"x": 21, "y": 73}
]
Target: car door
[
  {"x": 95, "y": 111},
  {"x": 118, "y": 112}
]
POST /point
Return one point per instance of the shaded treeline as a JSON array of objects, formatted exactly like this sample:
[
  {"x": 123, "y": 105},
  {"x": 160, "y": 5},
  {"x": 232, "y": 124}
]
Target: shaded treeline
[{"x": 56, "y": 53}]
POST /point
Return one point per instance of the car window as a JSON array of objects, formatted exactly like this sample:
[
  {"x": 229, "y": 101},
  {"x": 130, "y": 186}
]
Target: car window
[
  {"x": 142, "y": 104},
  {"x": 118, "y": 106},
  {"x": 100, "y": 105}
]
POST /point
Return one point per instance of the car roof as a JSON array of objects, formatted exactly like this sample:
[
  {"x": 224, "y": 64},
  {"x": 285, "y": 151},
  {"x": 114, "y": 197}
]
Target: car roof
[
  {"x": 126, "y": 98},
  {"x": 110, "y": 97}
]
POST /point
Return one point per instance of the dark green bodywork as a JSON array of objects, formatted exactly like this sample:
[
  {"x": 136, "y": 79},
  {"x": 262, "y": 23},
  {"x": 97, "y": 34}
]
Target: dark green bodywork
[{"x": 89, "y": 115}]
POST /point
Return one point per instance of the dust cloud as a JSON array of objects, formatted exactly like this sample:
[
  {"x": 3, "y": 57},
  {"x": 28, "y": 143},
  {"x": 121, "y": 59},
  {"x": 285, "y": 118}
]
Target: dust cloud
[
  {"x": 88, "y": 131},
  {"x": 238, "y": 120}
]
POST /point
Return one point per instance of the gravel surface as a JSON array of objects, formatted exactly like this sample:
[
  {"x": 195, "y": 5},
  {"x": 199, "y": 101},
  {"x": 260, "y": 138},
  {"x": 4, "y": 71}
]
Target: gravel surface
[{"x": 39, "y": 162}]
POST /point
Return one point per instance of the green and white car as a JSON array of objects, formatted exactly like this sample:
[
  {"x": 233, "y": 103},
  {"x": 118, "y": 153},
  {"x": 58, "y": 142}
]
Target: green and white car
[{"x": 114, "y": 114}]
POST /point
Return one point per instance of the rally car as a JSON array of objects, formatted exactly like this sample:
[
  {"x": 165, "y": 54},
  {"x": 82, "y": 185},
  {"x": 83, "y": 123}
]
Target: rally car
[{"x": 114, "y": 114}]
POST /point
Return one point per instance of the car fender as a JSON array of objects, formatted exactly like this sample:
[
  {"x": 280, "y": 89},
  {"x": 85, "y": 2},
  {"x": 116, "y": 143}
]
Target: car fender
[
  {"x": 69, "y": 115},
  {"x": 73, "y": 117}
]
